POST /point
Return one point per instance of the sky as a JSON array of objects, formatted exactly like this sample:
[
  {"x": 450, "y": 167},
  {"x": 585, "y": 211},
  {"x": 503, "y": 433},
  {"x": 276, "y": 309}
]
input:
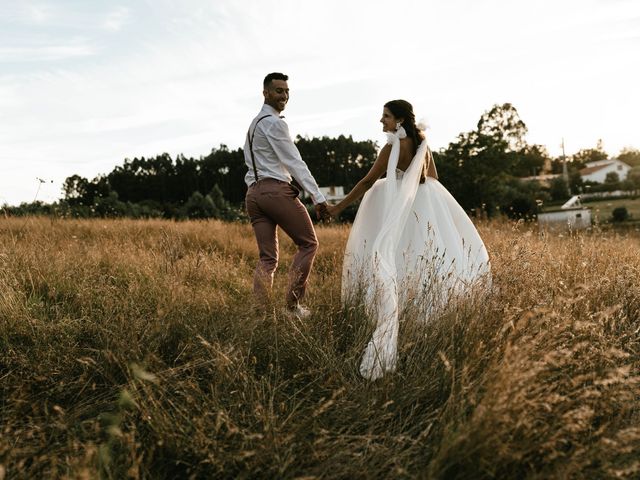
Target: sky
[{"x": 84, "y": 85}]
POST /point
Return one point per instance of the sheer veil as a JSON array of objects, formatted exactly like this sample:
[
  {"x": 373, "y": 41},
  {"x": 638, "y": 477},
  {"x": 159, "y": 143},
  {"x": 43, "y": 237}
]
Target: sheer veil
[{"x": 376, "y": 265}]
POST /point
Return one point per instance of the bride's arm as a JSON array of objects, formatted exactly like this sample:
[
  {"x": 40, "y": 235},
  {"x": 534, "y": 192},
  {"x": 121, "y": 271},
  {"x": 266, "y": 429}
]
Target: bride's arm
[{"x": 378, "y": 168}]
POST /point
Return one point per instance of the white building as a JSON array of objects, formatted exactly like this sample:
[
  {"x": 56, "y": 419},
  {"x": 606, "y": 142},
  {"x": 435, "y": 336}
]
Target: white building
[
  {"x": 597, "y": 171},
  {"x": 565, "y": 219},
  {"x": 333, "y": 193}
]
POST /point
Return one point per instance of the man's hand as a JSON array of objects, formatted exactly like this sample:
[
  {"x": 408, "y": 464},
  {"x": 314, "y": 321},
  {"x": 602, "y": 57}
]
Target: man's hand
[
  {"x": 322, "y": 213},
  {"x": 333, "y": 211}
]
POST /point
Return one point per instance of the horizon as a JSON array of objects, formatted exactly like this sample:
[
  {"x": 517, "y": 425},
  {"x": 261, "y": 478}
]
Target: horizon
[{"x": 85, "y": 86}]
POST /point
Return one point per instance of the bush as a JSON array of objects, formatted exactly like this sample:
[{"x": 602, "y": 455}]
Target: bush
[
  {"x": 558, "y": 189},
  {"x": 620, "y": 214}
]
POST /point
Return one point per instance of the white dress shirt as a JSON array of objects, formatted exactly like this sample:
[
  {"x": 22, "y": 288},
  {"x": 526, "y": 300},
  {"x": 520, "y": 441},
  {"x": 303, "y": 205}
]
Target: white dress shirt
[{"x": 276, "y": 155}]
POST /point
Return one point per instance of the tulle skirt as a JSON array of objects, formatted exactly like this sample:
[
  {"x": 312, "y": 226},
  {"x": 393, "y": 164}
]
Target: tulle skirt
[{"x": 439, "y": 256}]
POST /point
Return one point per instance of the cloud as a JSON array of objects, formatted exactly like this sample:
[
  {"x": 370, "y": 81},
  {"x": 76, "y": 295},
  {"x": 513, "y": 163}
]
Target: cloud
[
  {"x": 188, "y": 76},
  {"x": 116, "y": 19},
  {"x": 44, "y": 53},
  {"x": 38, "y": 13}
]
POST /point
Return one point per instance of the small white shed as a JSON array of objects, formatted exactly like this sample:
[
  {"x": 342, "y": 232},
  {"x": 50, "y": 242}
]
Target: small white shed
[{"x": 565, "y": 219}]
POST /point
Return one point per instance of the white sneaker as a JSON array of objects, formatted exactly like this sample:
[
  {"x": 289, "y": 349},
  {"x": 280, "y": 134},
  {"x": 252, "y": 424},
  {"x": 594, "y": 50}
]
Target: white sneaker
[{"x": 298, "y": 311}]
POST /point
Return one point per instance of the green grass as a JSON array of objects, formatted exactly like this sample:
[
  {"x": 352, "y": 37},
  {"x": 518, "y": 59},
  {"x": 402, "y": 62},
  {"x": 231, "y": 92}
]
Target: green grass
[{"x": 602, "y": 209}]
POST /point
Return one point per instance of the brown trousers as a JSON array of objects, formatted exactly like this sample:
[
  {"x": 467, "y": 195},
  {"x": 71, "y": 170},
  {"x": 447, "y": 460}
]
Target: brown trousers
[{"x": 271, "y": 203}]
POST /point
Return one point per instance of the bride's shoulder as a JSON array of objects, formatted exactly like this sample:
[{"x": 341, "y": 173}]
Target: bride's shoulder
[
  {"x": 406, "y": 141},
  {"x": 406, "y": 144}
]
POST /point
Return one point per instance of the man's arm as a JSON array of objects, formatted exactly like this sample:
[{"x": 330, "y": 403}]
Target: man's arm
[{"x": 280, "y": 140}]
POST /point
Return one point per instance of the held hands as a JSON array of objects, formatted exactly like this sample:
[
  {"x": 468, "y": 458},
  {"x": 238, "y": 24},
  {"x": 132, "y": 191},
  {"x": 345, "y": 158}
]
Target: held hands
[
  {"x": 333, "y": 210},
  {"x": 322, "y": 212},
  {"x": 326, "y": 212}
]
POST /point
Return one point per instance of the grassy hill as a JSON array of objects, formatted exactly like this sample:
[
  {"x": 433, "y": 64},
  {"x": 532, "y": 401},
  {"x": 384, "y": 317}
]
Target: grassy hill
[
  {"x": 130, "y": 349},
  {"x": 603, "y": 208}
]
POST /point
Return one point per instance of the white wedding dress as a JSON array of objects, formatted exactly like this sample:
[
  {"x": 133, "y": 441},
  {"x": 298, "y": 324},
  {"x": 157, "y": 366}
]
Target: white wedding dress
[{"x": 411, "y": 244}]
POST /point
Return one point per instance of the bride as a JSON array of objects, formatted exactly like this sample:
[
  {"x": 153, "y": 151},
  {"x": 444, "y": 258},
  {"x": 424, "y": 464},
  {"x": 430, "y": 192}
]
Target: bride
[{"x": 411, "y": 243}]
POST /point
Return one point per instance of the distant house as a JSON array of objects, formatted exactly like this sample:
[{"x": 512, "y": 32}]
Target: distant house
[
  {"x": 597, "y": 171},
  {"x": 577, "y": 218},
  {"x": 333, "y": 193}
]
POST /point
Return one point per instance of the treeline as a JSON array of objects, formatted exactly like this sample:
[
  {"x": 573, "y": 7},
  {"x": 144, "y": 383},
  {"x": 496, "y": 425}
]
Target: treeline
[
  {"x": 207, "y": 187},
  {"x": 211, "y": 186},
  {"x": 483, "y": 169}
]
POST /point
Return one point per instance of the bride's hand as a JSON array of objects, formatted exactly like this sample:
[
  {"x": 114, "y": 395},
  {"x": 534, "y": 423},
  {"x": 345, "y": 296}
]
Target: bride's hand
[{"x": 333, "y": 210}]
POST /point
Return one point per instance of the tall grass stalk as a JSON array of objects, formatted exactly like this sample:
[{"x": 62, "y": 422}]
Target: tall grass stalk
[{"x": 131, "y": 349}]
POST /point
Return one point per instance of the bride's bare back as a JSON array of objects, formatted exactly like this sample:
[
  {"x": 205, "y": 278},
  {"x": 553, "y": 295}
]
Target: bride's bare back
[{"x": 406, "y": 155}]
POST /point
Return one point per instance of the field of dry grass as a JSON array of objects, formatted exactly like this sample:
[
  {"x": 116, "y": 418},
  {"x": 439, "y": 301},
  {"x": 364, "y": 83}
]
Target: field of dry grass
[{"x": 130, "y": 349}]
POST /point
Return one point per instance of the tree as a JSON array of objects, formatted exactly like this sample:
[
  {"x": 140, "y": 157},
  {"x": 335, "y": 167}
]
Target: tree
[
  {"x": 337, "y": 161},
  {"x": 520, "y": 199},
  {"x": 142, "y": 179},
  {"x": 227, "y": 169},
  {"x": 575, "y": 181},
  {"x": 531, "y": 160},
  {"x": 187, "y": 178},
  {"x": 75, "y": 189},
  {"x": 633, "y": 179},
  {"x": 586, "y": 155},
  {"x": 80, "y": 191},
  {"x": 222, "y": 207},
  {"x": 630, "y": 156},
  {"x": 109, "y": 206},
  {"x": 504, "y": 126},
  {"x": 612, "y": 178},
  {"x": 476, "y": 167},
  {"x": 558, "y": 189},
  {"x": 199, "y": 206}
]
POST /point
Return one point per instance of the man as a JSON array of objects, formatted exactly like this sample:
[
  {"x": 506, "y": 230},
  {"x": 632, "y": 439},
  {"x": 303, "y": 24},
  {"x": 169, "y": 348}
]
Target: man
[{"x": 273, "y": 159}]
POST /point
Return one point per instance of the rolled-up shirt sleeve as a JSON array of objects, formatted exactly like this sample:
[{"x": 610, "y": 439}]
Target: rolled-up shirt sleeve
[{"x": 280, "y": 140}]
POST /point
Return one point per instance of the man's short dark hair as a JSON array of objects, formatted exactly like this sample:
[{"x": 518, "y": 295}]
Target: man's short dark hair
[{"x": 274, "y": 76}]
